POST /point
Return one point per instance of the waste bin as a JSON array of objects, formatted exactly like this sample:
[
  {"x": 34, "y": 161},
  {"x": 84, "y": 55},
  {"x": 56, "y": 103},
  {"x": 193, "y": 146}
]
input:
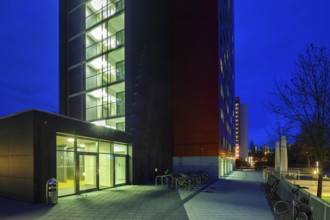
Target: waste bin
[{"x": 51, "y": 191}]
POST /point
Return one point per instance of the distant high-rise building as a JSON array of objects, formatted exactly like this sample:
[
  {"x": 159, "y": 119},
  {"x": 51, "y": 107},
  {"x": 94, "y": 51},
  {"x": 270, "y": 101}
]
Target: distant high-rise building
[
  {"x": 253, "y": 148},
  {"x": 265, "y": 149},
  {"x": 237, "y": 128},
  {"x": 241, "y": 130},
  {"x": 244, "y": 135}
]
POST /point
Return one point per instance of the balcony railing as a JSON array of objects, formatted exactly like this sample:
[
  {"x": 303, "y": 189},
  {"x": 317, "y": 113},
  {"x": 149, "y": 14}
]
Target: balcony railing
[
  {"x": 104, "y": 13},
  {"x": 321, "y": 208},
  {"x": 105, "y": 111},
  {"x": 105, "y": 78},
  {"x": 110, "y": 43}
]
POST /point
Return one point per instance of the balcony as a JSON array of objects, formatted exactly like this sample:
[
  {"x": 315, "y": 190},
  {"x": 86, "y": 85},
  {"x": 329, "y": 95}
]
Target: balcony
[
  {"x": 99, "y": 10},
  {"x": 105, "y": 111},
  {"x": 110, "y": 43},
  {"x": 104, "y": 76}
]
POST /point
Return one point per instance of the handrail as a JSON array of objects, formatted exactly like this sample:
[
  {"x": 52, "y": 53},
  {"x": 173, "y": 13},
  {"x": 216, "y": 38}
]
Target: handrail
[
  {"x": 106, "y": 12},
  {"x": 321, "y": 208}
]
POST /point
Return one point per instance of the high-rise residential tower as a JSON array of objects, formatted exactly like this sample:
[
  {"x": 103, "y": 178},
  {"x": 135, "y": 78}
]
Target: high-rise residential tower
[
  {"x": 244, "y": 134},
  {"x": 160, "y": 70},
  {"x": 92, "y": 59},
  {"x": 241, "y": 130},
  {"x": 115, "y": 72},
  {"x": 237, "y": 128}
]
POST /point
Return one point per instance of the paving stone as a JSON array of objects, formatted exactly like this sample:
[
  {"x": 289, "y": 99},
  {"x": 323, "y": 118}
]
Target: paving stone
[{"x": 237, "y": 196}]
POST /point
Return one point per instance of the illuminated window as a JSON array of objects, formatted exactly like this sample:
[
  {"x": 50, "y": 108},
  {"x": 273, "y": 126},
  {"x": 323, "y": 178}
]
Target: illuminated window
[{"x": 99, "y": 10}]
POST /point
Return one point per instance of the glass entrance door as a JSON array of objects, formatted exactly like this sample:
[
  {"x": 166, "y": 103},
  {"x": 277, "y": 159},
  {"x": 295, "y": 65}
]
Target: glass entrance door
[
  {"x": 120, "y": 170},
  {"x": 87, "y": 172}
]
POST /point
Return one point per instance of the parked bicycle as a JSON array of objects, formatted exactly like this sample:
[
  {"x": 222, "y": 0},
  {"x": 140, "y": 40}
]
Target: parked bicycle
[
  {"x": 190, "y": 180},
  {"x": 273, "y": 189},
  {"x": 297, "y": 207}
]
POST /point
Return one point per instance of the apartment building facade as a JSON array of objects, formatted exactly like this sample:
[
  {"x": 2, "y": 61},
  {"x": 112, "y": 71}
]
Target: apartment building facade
[
  {"x": 115, "y": 72},
  {"x": 160, "y": 70}
]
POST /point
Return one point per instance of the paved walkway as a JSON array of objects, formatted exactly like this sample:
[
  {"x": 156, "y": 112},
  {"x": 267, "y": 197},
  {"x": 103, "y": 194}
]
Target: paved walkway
[{"x": 238, "y": 196}]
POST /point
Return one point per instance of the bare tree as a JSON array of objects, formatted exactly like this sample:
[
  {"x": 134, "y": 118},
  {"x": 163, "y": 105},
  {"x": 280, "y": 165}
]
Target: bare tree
[
  {"x": 278, "y": 129},
  {"x": 304, "y": 100},
  {"x": 304, "y": 148}
]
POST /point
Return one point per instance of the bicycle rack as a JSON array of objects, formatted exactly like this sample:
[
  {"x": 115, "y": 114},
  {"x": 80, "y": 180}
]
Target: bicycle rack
[{"x": 163, "y": 179}]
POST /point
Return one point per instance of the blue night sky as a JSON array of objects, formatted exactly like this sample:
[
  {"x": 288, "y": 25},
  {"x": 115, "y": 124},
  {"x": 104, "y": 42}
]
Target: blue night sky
[
  {"x": 269, "y": 35},
  {"x": 29, "y": 56}
]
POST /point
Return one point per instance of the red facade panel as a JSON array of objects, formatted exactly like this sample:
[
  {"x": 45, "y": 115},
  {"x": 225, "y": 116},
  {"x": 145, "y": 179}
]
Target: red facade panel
[
  {"x": 195, "y": 79},
  {"x": 210, "y": 149}
]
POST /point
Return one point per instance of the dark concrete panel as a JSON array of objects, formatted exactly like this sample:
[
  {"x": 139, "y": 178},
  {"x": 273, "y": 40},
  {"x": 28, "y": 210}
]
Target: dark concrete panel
[
  {"x": 4, "y": 186},
  {"x": 20, "y": 123},
  {"x": 148, "y": 88},
  {"x": 75, "y": 19},
  {"x": 4, "y": 166},
  {"x": 72, "y": 3},
  {"x": 21, "y": 143},
  {"x": 75, "y": 51},
  {"x": 45, "y": 153},
  {"x": 4, "y": 145},
  {"x": 76, "y": 106},
  {"x": 72, "y": 25},
  {"x": 4, "y": 127},
  {"x": 21, "y": 189},
  {"x": 76, "y": 80},
  {"x": 21, "y": 166}
]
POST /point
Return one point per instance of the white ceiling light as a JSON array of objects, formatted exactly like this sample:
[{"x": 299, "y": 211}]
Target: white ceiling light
[
  {"x": 98, "y": 63},
  {"x": 98, "y": 4},
  {"x": 99, "y": 93}
]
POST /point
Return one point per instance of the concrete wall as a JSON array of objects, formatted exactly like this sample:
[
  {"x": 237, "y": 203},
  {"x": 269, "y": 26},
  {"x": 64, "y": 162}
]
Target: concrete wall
[
  {"x": 17, "y": 158},
  {"x": 216, "y": 167}
]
